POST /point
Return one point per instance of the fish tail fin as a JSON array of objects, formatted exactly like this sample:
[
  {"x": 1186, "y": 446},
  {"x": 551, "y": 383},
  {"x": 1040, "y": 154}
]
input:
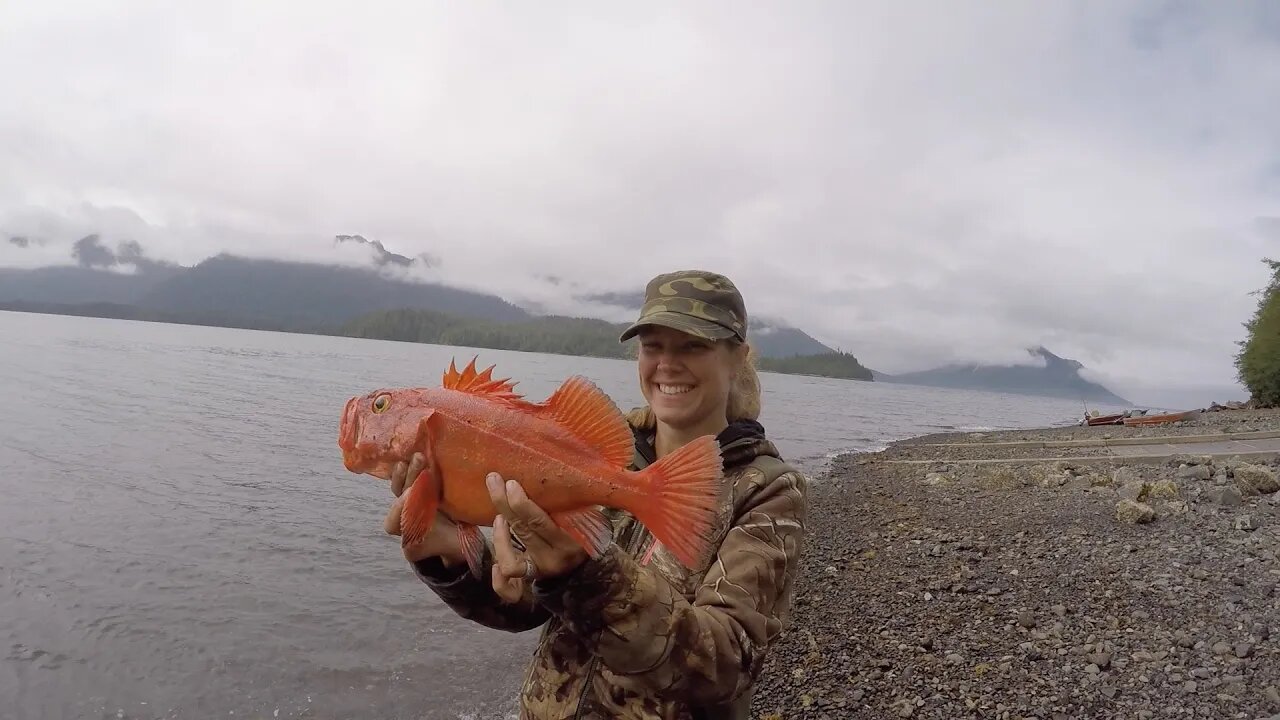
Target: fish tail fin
[{"x": 681, "y": 496}]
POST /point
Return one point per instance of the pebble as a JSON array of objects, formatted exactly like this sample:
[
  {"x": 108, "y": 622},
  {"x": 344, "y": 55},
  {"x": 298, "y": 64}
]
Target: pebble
[
  {"x": 1130, "y": 511},
  {"x": 1195, "y": 472},
  {"x": 1248, "y": 523},
  {"x": 1228, "y": 496}
]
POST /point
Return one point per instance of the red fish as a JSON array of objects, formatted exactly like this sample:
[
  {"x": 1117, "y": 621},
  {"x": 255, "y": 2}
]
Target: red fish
[{"x": 569, "y": 454}]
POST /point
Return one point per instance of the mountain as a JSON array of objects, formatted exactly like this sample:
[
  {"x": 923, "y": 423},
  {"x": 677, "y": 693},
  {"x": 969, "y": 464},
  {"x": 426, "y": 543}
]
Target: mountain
[
  {"x": 1057, "y": 377},
  {"x": 381, "y": 255},
  {"x": 559, "y": 335},
  {"x": 296, "y": 292},
  {"x": 544, "y": 334},
  {"x": 774, "y": 339},
  {"x": 71, "y": 284},
  {"x": 101, "y": 275},
  {"x": 244, "y": 292},
  {"x": 233, "y": 291}
]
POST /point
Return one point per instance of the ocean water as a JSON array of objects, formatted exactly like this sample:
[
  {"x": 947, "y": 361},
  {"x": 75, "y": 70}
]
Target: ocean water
[{"x": 179, "y": 538}]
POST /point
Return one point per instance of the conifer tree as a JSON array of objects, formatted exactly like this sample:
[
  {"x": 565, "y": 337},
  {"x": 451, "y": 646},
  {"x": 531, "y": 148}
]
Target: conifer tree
[{"x": 1258, "y": 362}]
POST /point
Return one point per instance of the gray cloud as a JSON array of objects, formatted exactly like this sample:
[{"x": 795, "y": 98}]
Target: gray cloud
[
  {"x": 918, "y": 183},
  {"x": 90, "y": 252}
]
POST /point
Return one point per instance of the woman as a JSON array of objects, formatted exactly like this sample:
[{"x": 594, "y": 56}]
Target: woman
[{"x": 632, "y": 633}]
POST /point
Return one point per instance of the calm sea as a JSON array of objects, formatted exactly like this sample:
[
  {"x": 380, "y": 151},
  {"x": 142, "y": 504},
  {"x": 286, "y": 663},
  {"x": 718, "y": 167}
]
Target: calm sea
[{"x": 178, "y": 537}]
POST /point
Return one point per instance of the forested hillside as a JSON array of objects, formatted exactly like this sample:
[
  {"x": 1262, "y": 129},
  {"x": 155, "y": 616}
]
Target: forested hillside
[
  {"x": 548, "y": 334},
  {"x": 560, "y": 335},
  {"x": 832, "y": 364}
]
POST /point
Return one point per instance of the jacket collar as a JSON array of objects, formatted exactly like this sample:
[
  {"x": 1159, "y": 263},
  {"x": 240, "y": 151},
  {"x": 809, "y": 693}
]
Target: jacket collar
[{"x": 740, "y": 443}]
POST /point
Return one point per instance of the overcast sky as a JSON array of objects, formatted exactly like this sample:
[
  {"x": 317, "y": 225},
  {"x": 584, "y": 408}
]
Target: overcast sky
[{"x": 912, "y": 181}]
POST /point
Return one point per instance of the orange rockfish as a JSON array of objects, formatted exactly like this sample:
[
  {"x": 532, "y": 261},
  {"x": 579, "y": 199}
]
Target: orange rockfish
[{"x": 569, "y": 454}]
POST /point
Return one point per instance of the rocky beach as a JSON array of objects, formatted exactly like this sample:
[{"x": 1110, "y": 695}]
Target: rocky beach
[{"x": 940, "y": 584}]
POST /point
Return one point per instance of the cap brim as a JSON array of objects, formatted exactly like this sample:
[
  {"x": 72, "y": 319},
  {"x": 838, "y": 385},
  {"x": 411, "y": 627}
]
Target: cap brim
[{"x": 695, "y": 326}]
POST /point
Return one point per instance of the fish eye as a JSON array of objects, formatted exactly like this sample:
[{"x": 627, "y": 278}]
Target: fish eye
[{"x": 381, "y": 403}]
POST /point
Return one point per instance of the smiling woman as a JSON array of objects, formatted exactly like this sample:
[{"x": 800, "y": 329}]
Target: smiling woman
[
  {"x": 632, "y": 633},
  {"x": 714, "y": 368},
  {"x": 689, "y": 381}
]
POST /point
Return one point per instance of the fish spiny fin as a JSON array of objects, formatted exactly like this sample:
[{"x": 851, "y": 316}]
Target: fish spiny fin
[
  {"x": 478, "y": 383},
  {"x": 588, "y": 526},
  {"x": 584, "y": 409}
]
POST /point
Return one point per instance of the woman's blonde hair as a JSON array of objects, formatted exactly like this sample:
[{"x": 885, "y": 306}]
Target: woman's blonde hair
[{"x": 744, "y": 394}]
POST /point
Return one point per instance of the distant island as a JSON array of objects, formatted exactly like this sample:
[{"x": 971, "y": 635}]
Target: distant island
[
  {"x": 361, "y": 301},
  {"x": 1050, "y": 376}
]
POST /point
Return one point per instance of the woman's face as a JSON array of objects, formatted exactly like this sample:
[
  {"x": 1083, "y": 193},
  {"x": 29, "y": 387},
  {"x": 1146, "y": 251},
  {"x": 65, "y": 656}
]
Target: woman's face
[{"x": 685, "y": 379}]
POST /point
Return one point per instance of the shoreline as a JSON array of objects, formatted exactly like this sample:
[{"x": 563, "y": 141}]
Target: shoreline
[
  {"x": 1228, "y": 421},
  {"x": 1049, "y": 439},
  {"x": 1037, "y": 588}
]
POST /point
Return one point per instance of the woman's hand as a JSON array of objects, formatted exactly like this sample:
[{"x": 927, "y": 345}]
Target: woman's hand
[
  {"x": 442, "y": 541},
  {"x": 549, "y": 551}
]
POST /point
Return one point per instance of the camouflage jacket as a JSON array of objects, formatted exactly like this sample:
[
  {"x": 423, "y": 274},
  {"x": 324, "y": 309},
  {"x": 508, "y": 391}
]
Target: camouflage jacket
[{"x": 638, "y": 641}]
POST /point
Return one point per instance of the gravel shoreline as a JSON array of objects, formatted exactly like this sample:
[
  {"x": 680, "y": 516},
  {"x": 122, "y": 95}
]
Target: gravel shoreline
[
  {"x": 1037, "y": 590},
  {"x": 1226, "y": 421}
]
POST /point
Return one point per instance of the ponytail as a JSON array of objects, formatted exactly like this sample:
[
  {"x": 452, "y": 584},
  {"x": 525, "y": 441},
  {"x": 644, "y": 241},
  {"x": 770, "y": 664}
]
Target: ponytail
[
  {"x": 642, "y": 418},
  {"x": 744, "y": 394}
]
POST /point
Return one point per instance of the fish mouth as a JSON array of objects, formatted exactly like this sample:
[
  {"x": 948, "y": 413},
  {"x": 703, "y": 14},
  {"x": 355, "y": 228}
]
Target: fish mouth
[{"x": 349, "y": 434}]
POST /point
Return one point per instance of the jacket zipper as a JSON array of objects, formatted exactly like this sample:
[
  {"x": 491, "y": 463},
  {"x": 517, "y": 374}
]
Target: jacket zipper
[
  {"x": 633, "y": 543},
  {"x": 582, "y": 699}
]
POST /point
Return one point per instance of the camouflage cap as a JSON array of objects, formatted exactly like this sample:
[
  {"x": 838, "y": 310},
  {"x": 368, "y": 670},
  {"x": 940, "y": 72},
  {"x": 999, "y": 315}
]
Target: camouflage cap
[{"x": 703, "y": 304}]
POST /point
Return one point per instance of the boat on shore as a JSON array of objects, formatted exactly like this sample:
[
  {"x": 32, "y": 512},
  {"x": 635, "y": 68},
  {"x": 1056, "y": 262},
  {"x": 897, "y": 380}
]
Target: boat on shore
[
  {"x": 1137, "y": 418},
  {"x": 1159, "y": 419}
]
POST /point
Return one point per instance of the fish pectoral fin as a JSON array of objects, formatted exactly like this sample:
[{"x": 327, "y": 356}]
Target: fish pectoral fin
[
  {"x": 589, "y": 413},
  {"x": 588, "y": 526},
  {"x": 472, "y": 543},
  {"x": 424, "y": 439},
  {"x": 417, "y": 515}
]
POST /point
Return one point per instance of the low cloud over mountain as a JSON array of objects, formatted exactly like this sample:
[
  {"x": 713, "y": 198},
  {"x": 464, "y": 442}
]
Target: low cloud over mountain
[{"x": 1100, "y": 179}]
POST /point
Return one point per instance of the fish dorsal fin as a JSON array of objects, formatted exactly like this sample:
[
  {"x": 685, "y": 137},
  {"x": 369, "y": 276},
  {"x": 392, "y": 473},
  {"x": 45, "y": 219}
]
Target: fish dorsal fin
[
  {"x": 478, "y": 383},
  {"x": 588, "y": 412}
]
